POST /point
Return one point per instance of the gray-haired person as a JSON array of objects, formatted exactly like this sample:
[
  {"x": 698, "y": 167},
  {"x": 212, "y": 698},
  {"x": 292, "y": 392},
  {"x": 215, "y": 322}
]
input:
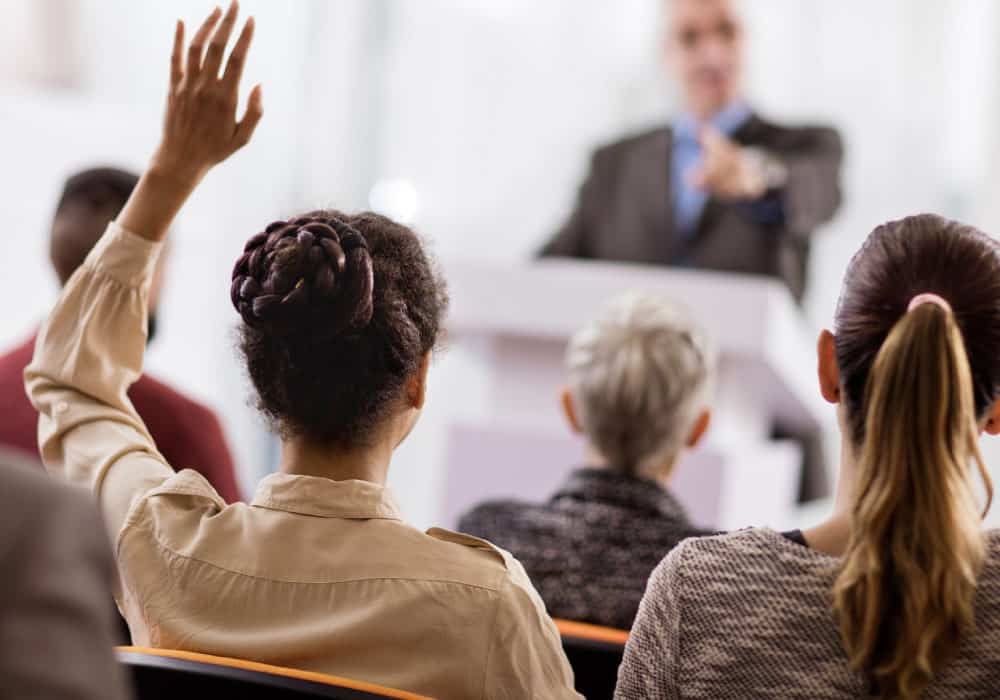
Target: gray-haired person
[{"x": 639, "y": 390}]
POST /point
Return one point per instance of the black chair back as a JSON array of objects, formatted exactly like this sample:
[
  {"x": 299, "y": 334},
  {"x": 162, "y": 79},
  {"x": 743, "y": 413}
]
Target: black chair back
[
  {"x": 161, "y": 677},
  {"x": 595, "y": 653}
]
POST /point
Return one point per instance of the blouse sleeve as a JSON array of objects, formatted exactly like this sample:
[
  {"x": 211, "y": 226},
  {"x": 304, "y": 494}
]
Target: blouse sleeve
[
  {"x": 526, "y": 658},
  {"x": 88, "y": 353},
  {"x": 649, "y": 669}
]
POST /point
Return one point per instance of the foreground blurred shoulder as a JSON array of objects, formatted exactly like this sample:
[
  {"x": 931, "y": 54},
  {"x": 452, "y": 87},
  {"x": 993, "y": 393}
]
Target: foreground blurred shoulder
[{"x": 31, "y": 500}]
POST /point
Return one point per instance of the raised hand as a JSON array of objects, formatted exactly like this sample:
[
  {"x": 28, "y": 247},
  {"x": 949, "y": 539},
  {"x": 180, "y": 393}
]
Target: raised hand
[
  {"x": 725, "y": 170},
  {"x": 200, "y": 127}
]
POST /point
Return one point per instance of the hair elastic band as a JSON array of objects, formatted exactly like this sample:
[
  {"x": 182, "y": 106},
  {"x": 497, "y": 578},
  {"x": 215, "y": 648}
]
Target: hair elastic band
[{"x": 928, "y": 298}]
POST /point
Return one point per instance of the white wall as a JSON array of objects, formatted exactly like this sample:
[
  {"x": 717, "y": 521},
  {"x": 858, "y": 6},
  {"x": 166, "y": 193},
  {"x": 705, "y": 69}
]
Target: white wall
[
  {"x": 489, "y": 108},
  {"x": 112, "y": 114}
]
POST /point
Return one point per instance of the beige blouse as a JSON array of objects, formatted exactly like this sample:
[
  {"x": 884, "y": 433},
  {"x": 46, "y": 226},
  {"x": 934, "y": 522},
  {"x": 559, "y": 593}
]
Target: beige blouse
[{"x": 315, "y": 574}]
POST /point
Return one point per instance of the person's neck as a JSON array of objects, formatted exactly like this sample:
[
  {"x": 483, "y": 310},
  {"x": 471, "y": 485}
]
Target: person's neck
[
  {"x": 833, "y": 534},
  {"x": 370, "y": 463},
  {"x": 704, "y": 114},
  {"x": 595, "y": 460}
]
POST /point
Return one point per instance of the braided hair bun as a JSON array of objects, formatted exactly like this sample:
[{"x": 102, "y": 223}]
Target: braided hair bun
[
  {"x": 312, "y": 273},
  {"x": 328, "y": 351}
]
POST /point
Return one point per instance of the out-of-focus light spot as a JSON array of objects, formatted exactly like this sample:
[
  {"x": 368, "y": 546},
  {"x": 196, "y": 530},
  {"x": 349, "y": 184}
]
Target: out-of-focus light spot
[{"x": 395, "y": 198}]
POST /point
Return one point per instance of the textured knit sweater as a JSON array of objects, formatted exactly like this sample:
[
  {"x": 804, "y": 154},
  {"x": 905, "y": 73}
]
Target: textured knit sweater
[
  {"x": 749, "y": 615},
  {"x": 590, "y": 549}
]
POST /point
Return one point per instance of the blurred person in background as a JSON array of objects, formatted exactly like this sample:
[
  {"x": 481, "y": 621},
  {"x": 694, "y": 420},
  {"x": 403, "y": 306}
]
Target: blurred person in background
[
  {"x": 640, "y": 378},
  {"x": 340, "y": 315},
  {"x": 186, "y": 432},
  {"x": 721, "y": 187},
  {"x": 897, "y": 594},
  {"x": 56, "y": 616}
]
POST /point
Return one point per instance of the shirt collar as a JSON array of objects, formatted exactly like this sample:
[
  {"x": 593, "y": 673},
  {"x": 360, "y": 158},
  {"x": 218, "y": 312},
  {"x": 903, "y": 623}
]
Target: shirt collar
[
  {"x": 621, "y": 489},
  {"x": 326, "y": 498},
  {"x": 728, "y": 120}
]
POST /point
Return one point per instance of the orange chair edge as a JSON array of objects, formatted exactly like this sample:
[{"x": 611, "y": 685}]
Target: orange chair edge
[
  {"x": 568, "y": 628},
  {"x": 275, "y": 670}
]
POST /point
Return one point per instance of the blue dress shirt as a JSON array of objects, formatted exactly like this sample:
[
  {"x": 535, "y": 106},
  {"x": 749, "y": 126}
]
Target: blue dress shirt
[{"x": 686, "y": 153}]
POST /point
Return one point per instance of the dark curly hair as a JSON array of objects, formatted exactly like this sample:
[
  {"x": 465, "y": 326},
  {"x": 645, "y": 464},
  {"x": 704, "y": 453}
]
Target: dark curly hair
[{"x": 338, "y": 311}]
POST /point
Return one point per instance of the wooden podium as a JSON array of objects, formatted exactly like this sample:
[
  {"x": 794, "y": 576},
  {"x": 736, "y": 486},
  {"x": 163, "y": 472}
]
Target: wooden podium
[{"x": 504, "y": 434}]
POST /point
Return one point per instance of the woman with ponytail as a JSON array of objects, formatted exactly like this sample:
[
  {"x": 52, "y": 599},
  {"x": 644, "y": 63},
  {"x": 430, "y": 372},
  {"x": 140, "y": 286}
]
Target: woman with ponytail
[
  {"x": 338, "y": 317},
  {"x": 897, "y": 595}
]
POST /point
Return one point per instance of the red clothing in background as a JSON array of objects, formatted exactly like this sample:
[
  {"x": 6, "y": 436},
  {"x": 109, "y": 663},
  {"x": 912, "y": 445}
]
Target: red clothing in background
[{"x": 187, "y": 433}]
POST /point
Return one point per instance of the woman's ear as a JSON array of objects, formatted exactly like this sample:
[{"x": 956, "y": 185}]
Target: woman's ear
[
  {"x": 829, "y": 371},
  {"x": 569, "y": 410},
  {"x": 993, "y": 419},
  {"x": 416, "y": 386},
  {"x": 699, "y": 429}
]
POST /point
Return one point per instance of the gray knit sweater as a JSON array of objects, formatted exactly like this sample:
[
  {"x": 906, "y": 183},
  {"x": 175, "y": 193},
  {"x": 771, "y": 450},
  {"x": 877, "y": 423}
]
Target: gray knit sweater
[{"x": 748, "y": 615}]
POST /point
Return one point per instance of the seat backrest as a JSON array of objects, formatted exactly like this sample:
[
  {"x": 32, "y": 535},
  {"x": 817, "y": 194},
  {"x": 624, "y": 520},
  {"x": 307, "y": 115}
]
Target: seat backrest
[
  {"x": 166, "y": 674},
  {"x": 594, "y": 653}
]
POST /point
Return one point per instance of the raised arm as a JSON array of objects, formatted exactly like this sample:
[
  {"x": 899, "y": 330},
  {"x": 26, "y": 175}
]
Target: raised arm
[
  {"x": 90, "y": 350},
  {"x": 798, "y": 184},
  {"x": 200, "y": 128}
]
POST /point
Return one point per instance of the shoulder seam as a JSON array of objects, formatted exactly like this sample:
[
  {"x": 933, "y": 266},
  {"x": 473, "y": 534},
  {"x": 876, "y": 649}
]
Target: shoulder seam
[
  {"x": 626, "y": 143},
  {"x": 187, "y": 557}
]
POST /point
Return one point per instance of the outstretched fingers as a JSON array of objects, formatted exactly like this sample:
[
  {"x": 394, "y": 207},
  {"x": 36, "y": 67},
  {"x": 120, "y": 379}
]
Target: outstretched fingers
[
  {"x": 177, "y": 57},
  {"x": 217, "y": 47},
  {"x": 238, "y": 57},
  {"x": 245, "y": 126},
  {"x": 197, "y": 48}
]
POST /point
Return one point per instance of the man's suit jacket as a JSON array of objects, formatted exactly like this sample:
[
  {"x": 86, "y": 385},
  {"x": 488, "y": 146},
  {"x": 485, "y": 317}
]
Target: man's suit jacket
[
  {"x": 57, "y": 622},
  {"x": 624, "y": 210}
]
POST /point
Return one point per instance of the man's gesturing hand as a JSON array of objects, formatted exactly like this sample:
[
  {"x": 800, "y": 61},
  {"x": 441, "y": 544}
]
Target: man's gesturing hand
[{"x": 726, "y": 170}]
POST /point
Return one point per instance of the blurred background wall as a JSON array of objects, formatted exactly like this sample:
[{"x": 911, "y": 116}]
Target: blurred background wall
[{"x": 474, "y": 119}]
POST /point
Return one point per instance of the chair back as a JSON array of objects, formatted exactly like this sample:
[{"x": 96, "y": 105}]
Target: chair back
[
  {"x": 166, "y": 674},
  {"x": 594, "y": 653}
]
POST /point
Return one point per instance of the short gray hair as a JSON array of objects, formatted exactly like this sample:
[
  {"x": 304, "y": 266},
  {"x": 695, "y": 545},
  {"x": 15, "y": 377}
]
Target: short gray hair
[{"x": 640, "y": 375}]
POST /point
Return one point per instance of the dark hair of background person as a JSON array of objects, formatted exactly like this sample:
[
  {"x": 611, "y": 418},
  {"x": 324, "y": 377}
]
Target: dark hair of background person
[
  {"x": 915, "y": 384},
  {"x": 89, "y": 200},
  {"x": 339, "y": 311}
]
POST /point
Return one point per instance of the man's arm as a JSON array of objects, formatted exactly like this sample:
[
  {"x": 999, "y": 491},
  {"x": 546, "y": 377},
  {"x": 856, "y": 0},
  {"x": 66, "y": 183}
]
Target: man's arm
[
  {"x": 797, "y": 185},
  {"x": 572, "y": 239},
  {"x": 811, "y": 194}
]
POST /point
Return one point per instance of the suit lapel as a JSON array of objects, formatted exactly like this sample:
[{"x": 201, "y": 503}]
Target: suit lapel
[{"x": 654, "y": 195}]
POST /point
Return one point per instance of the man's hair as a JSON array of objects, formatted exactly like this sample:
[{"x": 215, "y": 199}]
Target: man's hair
[
  {"x": 101, "y": 189},
  {"x": 640, "y": 374}
]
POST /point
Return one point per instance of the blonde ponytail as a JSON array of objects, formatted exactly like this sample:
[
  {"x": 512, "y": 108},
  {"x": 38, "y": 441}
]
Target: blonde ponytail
[{"x": 904, "y": 594}]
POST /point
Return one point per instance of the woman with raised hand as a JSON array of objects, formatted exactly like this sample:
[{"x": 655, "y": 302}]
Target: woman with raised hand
[
  {"x": 897, "y": 595},
  {"x": 339, "y": 316}
]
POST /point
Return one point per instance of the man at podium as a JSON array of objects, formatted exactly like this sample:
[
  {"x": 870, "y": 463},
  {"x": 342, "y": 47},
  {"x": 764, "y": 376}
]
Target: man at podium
[{"x": 720, "y": 188}]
